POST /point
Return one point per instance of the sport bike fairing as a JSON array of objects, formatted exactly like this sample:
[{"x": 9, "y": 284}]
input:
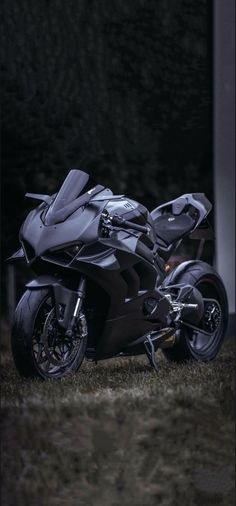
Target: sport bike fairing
[
  {"x": 101, "y": 287},
  {"x": 66, "y": 234}
]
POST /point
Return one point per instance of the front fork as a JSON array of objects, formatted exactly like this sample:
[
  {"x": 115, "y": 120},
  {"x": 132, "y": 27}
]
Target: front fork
[{"x": 78, "y": 306}]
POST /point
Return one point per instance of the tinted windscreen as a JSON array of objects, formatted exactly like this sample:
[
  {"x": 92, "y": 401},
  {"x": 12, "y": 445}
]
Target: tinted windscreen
[
  {"x": 70, "y": 190},
  {"x": 75, "y": 192}
]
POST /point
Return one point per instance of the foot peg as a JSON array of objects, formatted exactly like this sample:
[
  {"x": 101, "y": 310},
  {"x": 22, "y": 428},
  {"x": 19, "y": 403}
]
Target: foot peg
[{"x": 150, "y": 351}]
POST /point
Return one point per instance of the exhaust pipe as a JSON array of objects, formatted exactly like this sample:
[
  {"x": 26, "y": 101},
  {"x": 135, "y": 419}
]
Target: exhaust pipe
[{"x": 164, "y": 338}]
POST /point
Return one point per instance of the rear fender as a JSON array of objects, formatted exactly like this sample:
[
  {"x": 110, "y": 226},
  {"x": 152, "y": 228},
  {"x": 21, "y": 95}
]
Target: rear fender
[
  {"x": 186, "y": 271},
  {"x": 175, "y": 276},
  {"x": 64, "y": 298}
]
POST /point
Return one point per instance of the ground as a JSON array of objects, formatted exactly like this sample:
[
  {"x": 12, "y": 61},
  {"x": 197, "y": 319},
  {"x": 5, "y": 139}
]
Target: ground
[{"x": 118, "y": 433}]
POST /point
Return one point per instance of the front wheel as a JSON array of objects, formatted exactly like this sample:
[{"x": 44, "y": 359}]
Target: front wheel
[
  {"x": 200, "y": 342},
  {"x": 40, "y": 347}
]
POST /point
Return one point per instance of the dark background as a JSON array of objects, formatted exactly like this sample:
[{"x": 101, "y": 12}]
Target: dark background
[{"x": 120, "y": 89}]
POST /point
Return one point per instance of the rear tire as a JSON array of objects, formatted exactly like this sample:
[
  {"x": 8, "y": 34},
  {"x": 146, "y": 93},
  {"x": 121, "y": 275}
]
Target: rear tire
[
  {"x": 39, "y": 346},
  {"x": 191, "y": 344}
]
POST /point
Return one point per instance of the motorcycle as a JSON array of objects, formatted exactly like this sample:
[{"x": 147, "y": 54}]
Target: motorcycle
[{"x": 103, "y": 285}]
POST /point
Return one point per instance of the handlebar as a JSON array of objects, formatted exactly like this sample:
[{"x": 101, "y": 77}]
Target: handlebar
[{"x": 118, "y": 221}]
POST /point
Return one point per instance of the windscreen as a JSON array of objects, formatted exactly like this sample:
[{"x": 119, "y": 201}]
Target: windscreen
[
  {"x": 70, "y": 190},
  {"x": 75, "y": 192}
]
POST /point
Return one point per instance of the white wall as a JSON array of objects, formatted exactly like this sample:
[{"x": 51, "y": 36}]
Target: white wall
[{"x": 224, "y": 143}]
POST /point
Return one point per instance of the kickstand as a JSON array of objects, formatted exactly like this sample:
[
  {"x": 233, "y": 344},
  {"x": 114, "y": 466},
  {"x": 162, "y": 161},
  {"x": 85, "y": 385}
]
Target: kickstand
[{"x": 150, "y": 351}]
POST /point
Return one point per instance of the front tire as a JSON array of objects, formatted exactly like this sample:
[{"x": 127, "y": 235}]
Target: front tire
[
  {"x": 196, "y": 344},
  {"x": 39, "y": 346}
]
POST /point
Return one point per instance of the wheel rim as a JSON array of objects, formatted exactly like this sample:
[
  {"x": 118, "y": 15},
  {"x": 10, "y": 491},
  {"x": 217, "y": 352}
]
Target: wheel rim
[
  {"x": 53, "y": 351},
  {"x": 207, "y": 334}
]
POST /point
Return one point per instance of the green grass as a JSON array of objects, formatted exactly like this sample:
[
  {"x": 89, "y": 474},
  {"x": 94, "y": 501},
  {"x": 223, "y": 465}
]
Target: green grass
[{"x": 118, "y": 433}]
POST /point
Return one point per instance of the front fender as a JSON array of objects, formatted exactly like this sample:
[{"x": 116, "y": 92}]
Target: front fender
[
  {"x": 43, "y": 281},
  {"x": 64, "y": 298}
]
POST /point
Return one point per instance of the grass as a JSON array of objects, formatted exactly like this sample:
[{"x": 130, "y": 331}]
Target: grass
[{"x": 118, "y": 433}]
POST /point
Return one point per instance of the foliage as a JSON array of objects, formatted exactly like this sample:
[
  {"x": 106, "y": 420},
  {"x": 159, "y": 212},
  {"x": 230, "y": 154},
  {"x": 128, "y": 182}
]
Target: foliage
[{"x": 120, "y": 89}]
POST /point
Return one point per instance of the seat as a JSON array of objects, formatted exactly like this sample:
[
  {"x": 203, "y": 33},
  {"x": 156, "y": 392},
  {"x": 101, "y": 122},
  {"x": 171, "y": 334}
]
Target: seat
[
  {"x": 171, "y": 228},
  {"x": 174, "y": 219}
]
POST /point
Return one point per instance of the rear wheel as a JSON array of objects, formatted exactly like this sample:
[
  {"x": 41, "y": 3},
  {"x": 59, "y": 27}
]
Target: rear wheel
[
  {"x": 201, "y": 342},
  {"x": 39, "y": 345}
]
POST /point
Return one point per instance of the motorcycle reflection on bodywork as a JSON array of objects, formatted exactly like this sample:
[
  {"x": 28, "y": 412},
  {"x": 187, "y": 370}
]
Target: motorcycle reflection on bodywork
[{"x": 102, "y": 287}]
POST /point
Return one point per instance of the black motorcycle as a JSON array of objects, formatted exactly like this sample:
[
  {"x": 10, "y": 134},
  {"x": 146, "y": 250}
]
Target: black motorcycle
[{"x": 103, "y": 288}]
